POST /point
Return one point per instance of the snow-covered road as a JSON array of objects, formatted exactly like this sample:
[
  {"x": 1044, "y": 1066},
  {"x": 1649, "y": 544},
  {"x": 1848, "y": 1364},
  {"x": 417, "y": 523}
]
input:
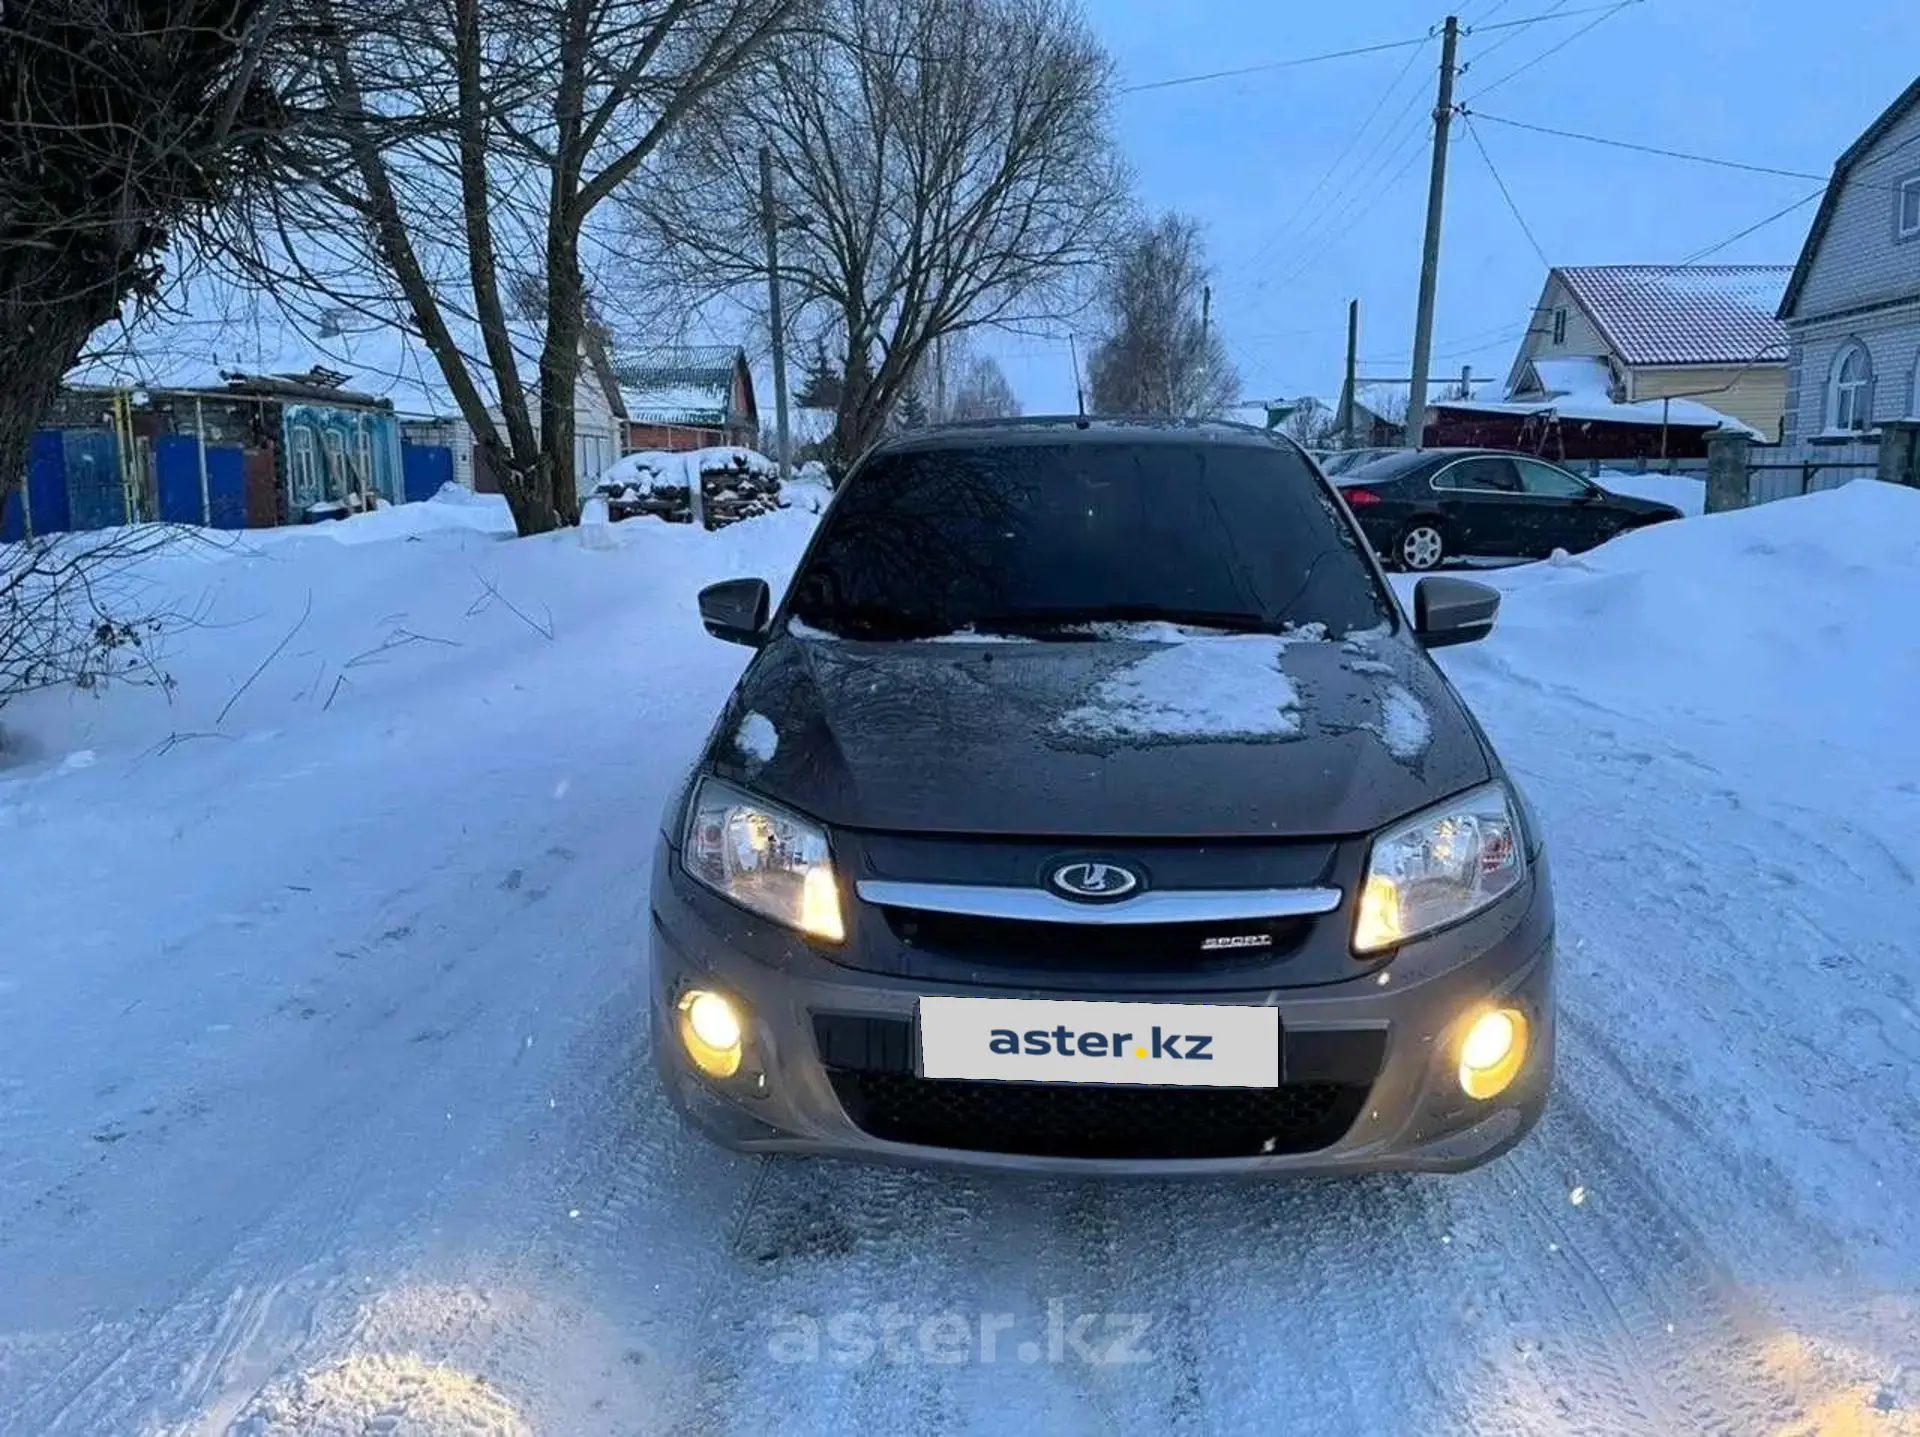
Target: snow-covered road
[{"x": 323, "y": 1098}]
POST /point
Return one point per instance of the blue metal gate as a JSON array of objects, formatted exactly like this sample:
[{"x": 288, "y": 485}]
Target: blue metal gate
[
  {"x": 96, "y": 493},
  {"x": 176, "y": 474},
  {"x": 424, "y": 468},
  {"x": 42, "y": 508},
  {"x": 226, "y": 487},
  {"x": 176, "y": 471}
]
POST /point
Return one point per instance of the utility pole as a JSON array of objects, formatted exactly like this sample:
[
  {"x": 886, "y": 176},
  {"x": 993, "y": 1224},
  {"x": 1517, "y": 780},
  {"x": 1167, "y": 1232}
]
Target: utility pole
[
  {"x": 772, "y": 225},
  {"x": 940, "y": 379},
  {"x": 1349, "y": 398},
  {"x": 1430, "y": 252},
  {"x": 1206, "y": 325}
]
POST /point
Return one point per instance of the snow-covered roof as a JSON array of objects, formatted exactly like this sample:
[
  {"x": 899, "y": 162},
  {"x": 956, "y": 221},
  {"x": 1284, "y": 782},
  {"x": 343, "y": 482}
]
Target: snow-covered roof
[
  {"x": 1579, "y": 376},
  {"x": 215, "y": 333},
  {"x": 1677, "y": 413},
  {"x": 686, "y": 385},
  {"x": 1684, "y": 314}
]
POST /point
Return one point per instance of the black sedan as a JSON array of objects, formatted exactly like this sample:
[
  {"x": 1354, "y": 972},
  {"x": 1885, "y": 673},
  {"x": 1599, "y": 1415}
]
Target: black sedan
[{"x": 1422, "y": 507}]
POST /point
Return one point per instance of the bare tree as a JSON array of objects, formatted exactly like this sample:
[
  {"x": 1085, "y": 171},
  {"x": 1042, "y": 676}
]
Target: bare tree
[
  {"x": 451, "y": 180},
  {"x": 983, "y": 392},
  {"x": 1312, "y": 425},
  {"x": 124, "y": 121},
  {"x": 939, "y": 165},
  {"x": 1157, "y": 354},
  {"x": 958, "y": 382}
]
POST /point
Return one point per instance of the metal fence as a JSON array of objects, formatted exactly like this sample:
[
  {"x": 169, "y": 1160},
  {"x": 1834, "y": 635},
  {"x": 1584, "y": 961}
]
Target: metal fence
[{"x": 1785, "y": 471}]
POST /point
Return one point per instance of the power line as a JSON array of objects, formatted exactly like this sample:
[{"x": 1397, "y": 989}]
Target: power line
[
  {"x": 1509, "y": 37},
  {"x": 1779, "y": 214},
  {"x": 1300, "y": 211},
  {"x": 1356, "y": 207},
  {"x": 1658, "y": 150},
  {"x": 1606, "y": 14},
  {"x": 1265, "y": 66},
  {"x": 1505, "y": 193},
  {"x": 1558, "y": 12},
  {"x": 1271, "y": 65}
]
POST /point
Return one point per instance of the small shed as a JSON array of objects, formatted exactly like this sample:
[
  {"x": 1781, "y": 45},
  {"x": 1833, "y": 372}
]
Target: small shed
[
  {"x": 692, "y": 397},
  {"x": 1579, "y": 427}
]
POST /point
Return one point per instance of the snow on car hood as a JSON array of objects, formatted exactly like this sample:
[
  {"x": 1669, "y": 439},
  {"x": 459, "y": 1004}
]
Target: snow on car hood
[{"x": 1206, "y": 737}]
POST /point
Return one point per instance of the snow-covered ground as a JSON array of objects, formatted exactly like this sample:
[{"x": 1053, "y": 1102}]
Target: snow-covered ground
[{"x": 324, "y": 1105}]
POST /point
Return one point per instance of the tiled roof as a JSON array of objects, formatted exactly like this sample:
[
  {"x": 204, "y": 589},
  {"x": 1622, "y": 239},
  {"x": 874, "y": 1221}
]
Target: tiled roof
[
  {"x": 1685, "y": 314},
  {"x": 689, "y": 385}
]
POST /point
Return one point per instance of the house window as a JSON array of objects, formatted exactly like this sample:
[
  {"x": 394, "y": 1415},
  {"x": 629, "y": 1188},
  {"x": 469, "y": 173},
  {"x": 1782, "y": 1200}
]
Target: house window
[
  {"x": 1850, "y": 391},
  {"x": 303, "y": 467},
  {"x": 1907, "y": 199},
  {"x": 1560, "y": 326},
  {"x": 337, "y": 479}
]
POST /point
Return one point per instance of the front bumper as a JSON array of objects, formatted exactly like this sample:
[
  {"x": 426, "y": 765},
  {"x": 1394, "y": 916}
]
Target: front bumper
[{"x": 1409, "y": 1017}]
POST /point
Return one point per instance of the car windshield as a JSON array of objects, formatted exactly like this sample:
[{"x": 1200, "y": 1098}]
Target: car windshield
[{"x": 1041, "y": 539}]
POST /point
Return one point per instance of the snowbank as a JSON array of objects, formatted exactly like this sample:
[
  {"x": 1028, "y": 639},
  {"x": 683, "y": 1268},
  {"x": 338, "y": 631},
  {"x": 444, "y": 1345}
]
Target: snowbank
[
  {"x": 272, "y": 630},
  {"x": 1790, "y": 622}
]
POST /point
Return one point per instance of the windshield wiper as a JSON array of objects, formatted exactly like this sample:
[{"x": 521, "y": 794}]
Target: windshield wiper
[
  {"x": 876, "y": 623},
  {"x": 1076, "y": 622}
]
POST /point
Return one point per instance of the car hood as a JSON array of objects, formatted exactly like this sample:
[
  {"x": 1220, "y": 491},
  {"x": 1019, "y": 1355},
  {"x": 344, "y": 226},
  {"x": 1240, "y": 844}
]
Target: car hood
[
  {"x": 1242, "y": 736},
  {"x": 1634, "y": 504}
]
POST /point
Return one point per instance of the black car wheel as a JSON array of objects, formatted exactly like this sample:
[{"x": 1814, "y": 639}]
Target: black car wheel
[{"x": 1422, "y": 545}]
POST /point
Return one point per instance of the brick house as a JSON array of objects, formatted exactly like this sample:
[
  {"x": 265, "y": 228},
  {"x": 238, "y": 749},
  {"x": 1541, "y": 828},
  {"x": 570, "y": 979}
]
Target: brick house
[
  {"x": 691, "y": 397},
  {"x": 1852, "y": 307}
]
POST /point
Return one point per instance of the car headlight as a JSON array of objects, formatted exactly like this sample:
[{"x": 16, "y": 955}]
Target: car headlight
[
  {"x": 764, "y": 858},
  {"x": 1445, "y": 865}
]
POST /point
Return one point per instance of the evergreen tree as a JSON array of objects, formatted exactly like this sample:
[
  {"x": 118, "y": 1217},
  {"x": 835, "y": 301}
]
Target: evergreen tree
[
  {"x": 912, "y": 413},
  {"x": 821, "y": 385}
]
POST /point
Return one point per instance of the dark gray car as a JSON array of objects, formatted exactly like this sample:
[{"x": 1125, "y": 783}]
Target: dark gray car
[{"x": 1090, "y": 804}]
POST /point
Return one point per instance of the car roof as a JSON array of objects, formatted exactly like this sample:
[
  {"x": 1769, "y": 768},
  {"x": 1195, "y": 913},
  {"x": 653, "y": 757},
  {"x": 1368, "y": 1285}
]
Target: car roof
[
  {"x": 1402, "y": 461},
  {"x": 1079, "y": 429}
]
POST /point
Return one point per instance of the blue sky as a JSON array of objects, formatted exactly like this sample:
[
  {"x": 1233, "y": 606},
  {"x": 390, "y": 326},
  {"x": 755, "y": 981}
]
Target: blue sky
[{"x": 1781, "y": 83}]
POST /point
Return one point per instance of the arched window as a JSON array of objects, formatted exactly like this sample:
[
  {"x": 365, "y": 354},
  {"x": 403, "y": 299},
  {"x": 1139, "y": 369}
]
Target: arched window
[{"x": 1850, "y": 389}]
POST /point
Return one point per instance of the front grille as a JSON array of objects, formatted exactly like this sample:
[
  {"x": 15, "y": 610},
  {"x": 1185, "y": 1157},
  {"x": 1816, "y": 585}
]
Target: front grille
[
  {"x": 1071, "y": 1121},
  {"x": 1099, "y": 947}
]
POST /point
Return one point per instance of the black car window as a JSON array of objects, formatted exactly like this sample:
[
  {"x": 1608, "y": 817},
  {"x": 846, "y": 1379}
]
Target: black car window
[
  {"x": 1482, "y": 476},
  {"x": 1547, "y": 481},
  {"x": 927, "y": 542}
]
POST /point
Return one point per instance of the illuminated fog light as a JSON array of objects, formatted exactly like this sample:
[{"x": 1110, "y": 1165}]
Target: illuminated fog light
[
  {"x": 1493, "y": 1053},
  {"x": 711, "y": 1032}
]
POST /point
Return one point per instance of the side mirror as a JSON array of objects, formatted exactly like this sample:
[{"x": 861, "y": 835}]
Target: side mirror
[
  {"x": 736, "y": 610},
  {"x": 1448, "y": 611}
]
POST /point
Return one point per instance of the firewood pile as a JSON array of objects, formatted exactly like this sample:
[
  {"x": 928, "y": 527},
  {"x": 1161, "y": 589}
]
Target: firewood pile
[
  {"x": 739, "y": 488},
  {"x": 735, "y": 484}
]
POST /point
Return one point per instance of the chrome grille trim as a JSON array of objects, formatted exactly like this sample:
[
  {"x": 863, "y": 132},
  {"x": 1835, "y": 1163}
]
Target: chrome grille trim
[{"x": 1156, "y": 905}]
